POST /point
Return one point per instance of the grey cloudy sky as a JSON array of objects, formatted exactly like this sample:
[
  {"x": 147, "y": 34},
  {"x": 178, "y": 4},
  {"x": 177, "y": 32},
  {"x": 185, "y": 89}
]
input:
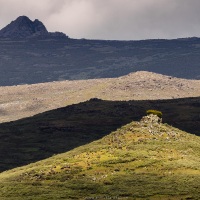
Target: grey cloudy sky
[{"x": 110, "y": 19}]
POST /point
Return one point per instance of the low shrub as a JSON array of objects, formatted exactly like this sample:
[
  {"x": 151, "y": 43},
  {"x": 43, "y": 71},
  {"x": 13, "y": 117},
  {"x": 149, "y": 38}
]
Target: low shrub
[{"x": 154, "y": 112}]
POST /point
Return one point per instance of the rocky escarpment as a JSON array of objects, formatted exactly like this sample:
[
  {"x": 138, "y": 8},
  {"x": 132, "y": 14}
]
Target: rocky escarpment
[{"x": 23, "y": 27}]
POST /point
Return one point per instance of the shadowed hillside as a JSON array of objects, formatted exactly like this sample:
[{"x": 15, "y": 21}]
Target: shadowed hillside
[
  {"x": 46, "y": 60},
  {"x": 35, "y": 138}
]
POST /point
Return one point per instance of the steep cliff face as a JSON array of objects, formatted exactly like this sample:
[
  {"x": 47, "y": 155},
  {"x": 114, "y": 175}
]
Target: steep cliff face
[{"x": 23, "y": 27}]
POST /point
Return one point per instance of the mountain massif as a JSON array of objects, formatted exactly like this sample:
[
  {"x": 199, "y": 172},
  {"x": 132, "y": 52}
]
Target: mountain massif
[{"x": 30, "y": 54}]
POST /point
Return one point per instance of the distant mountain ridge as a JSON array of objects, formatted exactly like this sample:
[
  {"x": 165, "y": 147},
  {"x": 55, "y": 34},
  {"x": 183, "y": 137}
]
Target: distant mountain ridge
[
  {"x": 30, "y": 54},
  {"x": 23, "y": 27}
]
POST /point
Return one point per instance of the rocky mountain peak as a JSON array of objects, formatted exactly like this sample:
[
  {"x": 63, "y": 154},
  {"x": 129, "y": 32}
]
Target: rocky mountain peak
[{"x": 23, "y": 27}]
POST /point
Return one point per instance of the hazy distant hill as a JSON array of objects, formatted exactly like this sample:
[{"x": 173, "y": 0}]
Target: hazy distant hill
[
  {"x": 26, "y": 100},
  {"x": 142, "y": 160},
  {"x": 30, "y": 59}
]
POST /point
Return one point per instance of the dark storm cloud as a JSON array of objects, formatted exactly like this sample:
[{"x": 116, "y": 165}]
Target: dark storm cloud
[{"x": 110, "y": 19}]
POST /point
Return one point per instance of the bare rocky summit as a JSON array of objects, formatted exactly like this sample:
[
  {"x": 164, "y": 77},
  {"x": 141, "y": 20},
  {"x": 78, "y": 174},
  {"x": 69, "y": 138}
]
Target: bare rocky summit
[
  {"x": 23, "y": 27},
  {"x": 26, "y": 100},
  {"x": 148, "y": 85}
]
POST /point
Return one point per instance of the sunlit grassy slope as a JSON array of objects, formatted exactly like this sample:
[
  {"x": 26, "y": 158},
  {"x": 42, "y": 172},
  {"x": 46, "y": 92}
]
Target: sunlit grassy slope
[{"x": 142, "y": 160}]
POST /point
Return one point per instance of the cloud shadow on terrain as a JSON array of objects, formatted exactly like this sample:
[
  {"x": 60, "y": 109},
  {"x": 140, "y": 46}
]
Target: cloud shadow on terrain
[
  {"x": 42, "y": 60},
  {"x": 57, "y": 131}
]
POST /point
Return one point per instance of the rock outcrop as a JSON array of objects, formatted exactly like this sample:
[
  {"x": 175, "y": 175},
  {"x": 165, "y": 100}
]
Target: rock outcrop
[
  {"x": 23, "y": 27},
  {"x": 153, "y": 125}
]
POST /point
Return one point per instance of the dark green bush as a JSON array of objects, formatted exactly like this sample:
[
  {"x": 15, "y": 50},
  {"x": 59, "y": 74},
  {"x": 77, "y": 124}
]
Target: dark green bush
[{"x": 154, "y": 112}]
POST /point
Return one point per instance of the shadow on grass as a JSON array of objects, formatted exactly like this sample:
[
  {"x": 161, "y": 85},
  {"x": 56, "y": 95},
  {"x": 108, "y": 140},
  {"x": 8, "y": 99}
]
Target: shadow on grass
[{"x": 57, "y": 131}]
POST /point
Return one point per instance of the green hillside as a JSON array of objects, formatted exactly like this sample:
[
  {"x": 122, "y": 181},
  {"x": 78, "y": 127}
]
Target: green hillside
[
  {"x": 142, "y": 160},
  {"x": 57, "y": 131}
]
